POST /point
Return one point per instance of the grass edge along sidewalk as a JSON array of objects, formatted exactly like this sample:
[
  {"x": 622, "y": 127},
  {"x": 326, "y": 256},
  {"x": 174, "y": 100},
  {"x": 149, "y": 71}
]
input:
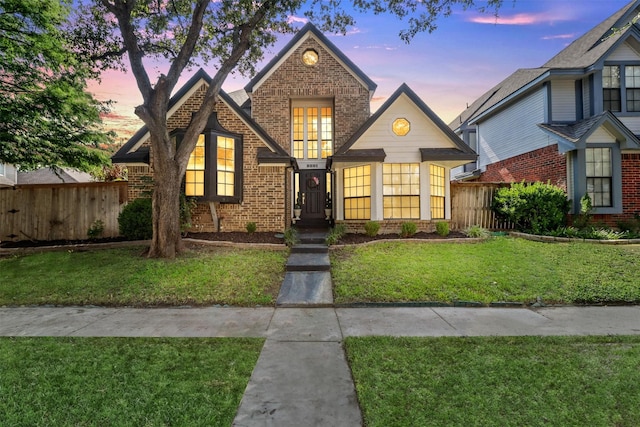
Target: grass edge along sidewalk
[
  {"x": 499, "y": 269},
  {"x": 124, "y": 381},
  {"x": 507, "y": 381}
]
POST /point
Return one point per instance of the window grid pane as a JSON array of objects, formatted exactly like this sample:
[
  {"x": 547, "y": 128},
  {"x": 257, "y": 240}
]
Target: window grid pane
[
  {"x": 401, "y": 190},
  {"x": 611, "y": 88},
  {"x": 599, "y": 176},
  {"x": 298, "y": 133},
  {"x": 357, "y": 192},
  {"x": 437, "y": 177},
  {"x": 327, "y": 132},
  {"x": 226, "y": 166},
  {"x": 194, "y": 177},
  {"x": 312, "y": 133}
]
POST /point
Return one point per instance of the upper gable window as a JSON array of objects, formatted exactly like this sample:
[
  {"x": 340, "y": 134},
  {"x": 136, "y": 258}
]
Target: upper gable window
[
  {"x": 632, "y": 86},
  {"x": 310, "y": 57},
  {"x": 401, "y": 126},
  {"x": 312, "y": 131},
  {"x": 621, "y": 88}
]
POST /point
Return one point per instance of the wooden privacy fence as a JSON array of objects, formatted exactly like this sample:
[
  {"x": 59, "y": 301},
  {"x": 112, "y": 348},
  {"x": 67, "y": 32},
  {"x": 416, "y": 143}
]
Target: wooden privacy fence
[
  {"x": 60, "y": 211},
  {"x": 471, "y": 205}
]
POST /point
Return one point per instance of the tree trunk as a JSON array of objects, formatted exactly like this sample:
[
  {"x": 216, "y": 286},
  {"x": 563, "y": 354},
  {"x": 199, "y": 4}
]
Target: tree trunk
[{"x": 167, "y": 239}]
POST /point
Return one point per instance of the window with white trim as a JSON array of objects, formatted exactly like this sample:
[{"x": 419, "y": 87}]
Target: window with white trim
[
  {"x": 437, "y": 178},
  {"x": 401, "y": 190},
  {"x": 357, "y": 192},
  {"x": 312, "y": 129}
]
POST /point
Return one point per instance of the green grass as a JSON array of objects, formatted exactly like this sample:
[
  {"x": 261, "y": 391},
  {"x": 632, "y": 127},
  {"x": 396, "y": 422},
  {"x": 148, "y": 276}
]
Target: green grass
[
  {"x": 123, "y": 381},
  {"x": 499, "y": 269},
  {"x": 125, "y": 277},
  {"x": 521, "y": 381}
]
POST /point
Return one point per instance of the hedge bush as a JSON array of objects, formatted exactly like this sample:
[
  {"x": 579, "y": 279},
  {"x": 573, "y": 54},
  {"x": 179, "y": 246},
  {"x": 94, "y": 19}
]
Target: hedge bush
[
  {"x": 535, "y": 208},
  {"x": 135, "y": 220}
]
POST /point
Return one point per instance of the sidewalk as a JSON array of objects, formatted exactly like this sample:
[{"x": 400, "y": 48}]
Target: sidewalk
[{"x": 302, "y": 377}]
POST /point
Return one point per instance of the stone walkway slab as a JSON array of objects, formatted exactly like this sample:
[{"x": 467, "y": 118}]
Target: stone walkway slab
[{"x": 305, "y": 288}]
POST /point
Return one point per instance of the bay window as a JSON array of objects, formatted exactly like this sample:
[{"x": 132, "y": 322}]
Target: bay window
[{"x": 401, "y": 190}]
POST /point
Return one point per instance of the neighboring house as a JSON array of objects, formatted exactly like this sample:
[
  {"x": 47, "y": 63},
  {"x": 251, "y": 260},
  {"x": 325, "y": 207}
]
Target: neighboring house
[
  {"x": 301, "y": 132},
  {"x": 8, "y": 175},
  {"x": 53, "y": 176},
  {"x": 573, "y": 122}
]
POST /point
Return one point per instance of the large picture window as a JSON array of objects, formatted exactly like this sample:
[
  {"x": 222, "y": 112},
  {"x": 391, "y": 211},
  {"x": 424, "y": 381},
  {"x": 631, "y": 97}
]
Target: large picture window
[
  {"x": 599, "y": 176},
  {"x": 437, "y": 177},
  {"x": 312, "y": 130},
  {"x": 401, "y": 190},
  {"x": 357, "y": 192}
]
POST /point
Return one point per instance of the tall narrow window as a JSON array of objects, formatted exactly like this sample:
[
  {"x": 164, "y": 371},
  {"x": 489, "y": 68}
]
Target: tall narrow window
[
  {"x": 632, "y": 87},
  {"x": 312, "y": 130},
  {"x": 226, "y": 166},
  {"x": 611, "y": 88},
  {"x": 599, "y": 176},
  {"x": 327, "y": 132},
  {"x": 357, "y": 192},
  {"x": 194, "y": 179},
  {"x": 401, "y": 190},
  {"x": 437, "y": 177}
]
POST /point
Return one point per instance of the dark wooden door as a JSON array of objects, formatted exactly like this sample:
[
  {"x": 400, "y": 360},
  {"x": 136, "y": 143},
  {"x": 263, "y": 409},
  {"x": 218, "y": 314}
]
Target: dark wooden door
[{"x": 313, "y": 187}]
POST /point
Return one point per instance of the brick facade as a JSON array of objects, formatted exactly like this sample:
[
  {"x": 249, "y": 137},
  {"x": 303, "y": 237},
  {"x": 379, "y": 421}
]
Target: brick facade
[
  {"x": 263, "y": 200},
  {"x": 271, "y": 101},
  {"x": 544, "y": 165}
]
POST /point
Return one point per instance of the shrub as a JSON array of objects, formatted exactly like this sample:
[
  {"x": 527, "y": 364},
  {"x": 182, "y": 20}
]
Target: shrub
[
  {"x": 536, "y": 208},
  {"x": 135, "y": 221},
  {"x": 442, "y": 228},
  {"x": 251, "y": 227},
  {"x": 96, "y": 229},
  {"x": 583, "y": 219},
  {"x": 408, "y": 229},
  {"x": 336, "y": 234},
  {"x": 371, "y": 228},
  {"x": 477, "y": 232},
  {"x": 187, "y": 205},
  {"x": 290, "y": 237}
]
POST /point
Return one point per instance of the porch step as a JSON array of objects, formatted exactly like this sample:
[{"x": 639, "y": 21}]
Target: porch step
[
  {"x": 310, "y": 248},
  {"x": 308, "y": 262},
  {"x": 312, "y": 238},
  {"x": 302, "y": 288}
]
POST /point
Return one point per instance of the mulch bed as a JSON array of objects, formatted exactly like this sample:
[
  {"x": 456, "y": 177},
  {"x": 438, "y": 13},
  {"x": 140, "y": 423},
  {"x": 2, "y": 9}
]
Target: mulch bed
[{"x": 235, "y": 237}]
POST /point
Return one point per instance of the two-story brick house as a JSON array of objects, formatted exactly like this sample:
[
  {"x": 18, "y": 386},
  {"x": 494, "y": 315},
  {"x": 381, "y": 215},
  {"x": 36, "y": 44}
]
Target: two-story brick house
[
  {"x": 573, "y": 122},
  {"x": 301, "y": 135}
]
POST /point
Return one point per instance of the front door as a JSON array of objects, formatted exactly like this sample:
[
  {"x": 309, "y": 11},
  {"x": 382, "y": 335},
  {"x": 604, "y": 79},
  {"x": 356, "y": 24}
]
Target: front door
[{"x": 313, "y": 191}]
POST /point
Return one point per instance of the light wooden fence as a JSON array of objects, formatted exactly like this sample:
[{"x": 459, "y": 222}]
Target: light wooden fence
[
  {"x": 60, "y": 211},
  {"x": 471, "y": 205}
]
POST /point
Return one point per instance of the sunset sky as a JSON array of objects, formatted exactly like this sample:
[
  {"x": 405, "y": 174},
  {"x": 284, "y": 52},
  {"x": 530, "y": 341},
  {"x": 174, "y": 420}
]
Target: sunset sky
[{"x": 467, "y": 55}]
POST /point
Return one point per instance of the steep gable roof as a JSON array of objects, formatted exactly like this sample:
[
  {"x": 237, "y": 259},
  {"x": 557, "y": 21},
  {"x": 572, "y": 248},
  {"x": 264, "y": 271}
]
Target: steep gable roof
[
  {"x": 132, "y": 152},
  {"x": 459, "y": 151},
  {"x": 579, "y": 55},
  {"x": 310, "y": 30}
]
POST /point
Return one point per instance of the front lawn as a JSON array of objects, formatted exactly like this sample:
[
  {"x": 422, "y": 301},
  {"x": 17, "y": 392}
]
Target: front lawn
[
  {"x": 489, "y": 381},
  {"x": 499, "y": 269},
  {"x": 124, "y": 381},
  {"x": 125, "y": 277}
]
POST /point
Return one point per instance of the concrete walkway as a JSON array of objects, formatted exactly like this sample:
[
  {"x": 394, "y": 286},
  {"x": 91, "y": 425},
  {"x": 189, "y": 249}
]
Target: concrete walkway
[{"x": 302, "y": 377}]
